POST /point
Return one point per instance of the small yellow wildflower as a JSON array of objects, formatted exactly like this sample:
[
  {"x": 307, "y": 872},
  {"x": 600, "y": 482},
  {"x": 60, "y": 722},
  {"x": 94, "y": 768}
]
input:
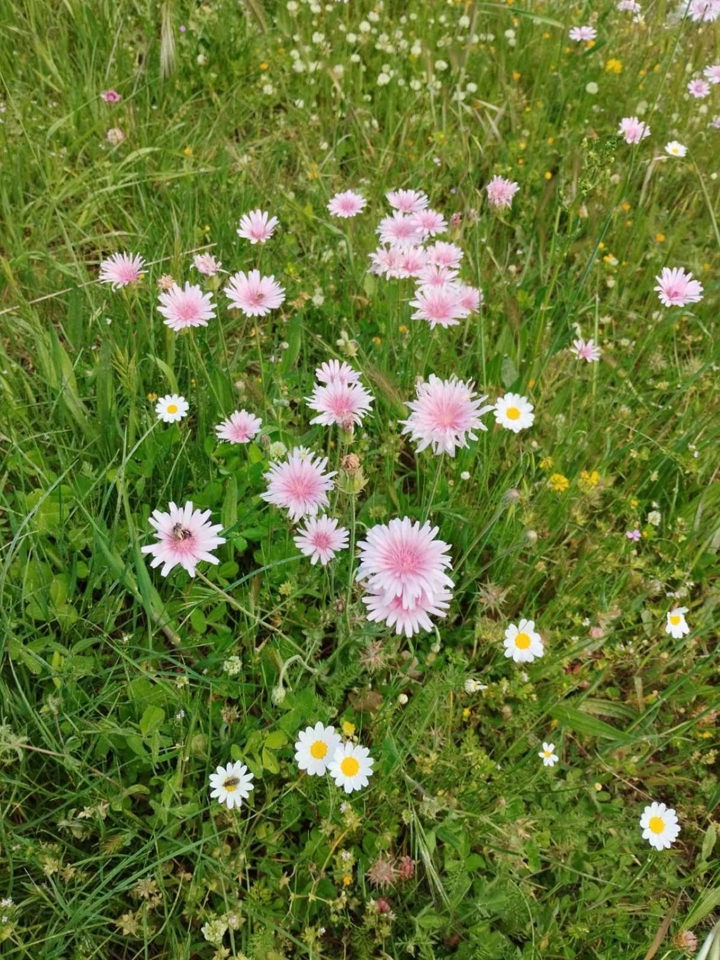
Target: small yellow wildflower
[
  {"x": 187, "y": 151},
  {"x": 348, "y": 728},
  {"x": 613, "y": 66},
  {"x": 559, "y": 482},
  {"x": 625, "y": 206},
  {"x": 546, "y": 463},
  {"x": 264, "y": 66},
  {"x": 377, "y": 341},
  {"x": 548, "y": 175},
  {"x": 659, "y": 238},
  {"x": 588, "y": 480},
  {"x": 516, "y": 75}
]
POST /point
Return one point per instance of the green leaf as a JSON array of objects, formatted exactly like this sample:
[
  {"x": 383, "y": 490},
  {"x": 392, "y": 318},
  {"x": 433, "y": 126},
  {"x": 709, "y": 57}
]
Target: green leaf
[
  {"x": 708, "y": 843},
  {"x": 508, "y": 372},
  {"x": 269, "y": 761},
  {"x": 705, "y": 905},
  {"x": 275, "y": 740},
  {"x": 581, "y": 723},
  {"x": 152, "y": 718}
]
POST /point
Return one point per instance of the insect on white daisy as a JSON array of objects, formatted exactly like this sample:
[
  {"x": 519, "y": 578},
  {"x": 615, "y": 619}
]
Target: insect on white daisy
[
  {"x": 231, "y": 784},
  {"x": 315, "y": 747}
]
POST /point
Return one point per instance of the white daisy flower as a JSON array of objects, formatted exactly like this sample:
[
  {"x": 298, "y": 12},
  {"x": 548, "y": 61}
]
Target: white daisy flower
[
  {"x": 171, "y": 408},
  {"x": 522, "y": 643},
  {"x": 514, "y": 412},
  {"x": 351, "y": 766},
  {"x": 231, "y": 784},
  {"x": 660, "y": 826},
  {"x": 315, "y": 747},
  {"x": 549, "y": 757},
  {"x": 676, "y": 624},
  {"x": 675, "y": 149}
]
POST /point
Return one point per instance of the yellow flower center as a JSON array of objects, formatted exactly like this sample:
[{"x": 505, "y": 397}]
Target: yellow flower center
[
  {"x": 319, "y": 749},
  {"x": 656, "y": 824},
  {"x": 522, "y": 641},
  {"x": 172, "y": 408},
  {"x": 548, "y": 753},
  {"x": 349, "y": 766},
  {"x": 512, "y": 413},
  {"x": 674, "y": 619}
]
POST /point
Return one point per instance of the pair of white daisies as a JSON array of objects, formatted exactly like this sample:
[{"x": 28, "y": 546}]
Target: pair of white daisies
[{"x": 318, "y": 750}]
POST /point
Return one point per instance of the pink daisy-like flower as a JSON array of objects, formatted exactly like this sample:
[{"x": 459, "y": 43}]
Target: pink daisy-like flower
[
  {"x": 342, "y": 403},
  {"x": 185, "y": 307},
  {"x": 299, "y": 484},
  {"x": 111, "y": 96},
  {"x": 409, "y": 621},
  {"x": 399, "y": 230},
  {"x": 347, "y": 204},
  {"x": 184, "y": 537},
  {"x": 443, "y": 254},
  {"x": 580, "y": 34},
  {"x": 500, "y": 192},
  {"x": 712, "y": 73},
  {"x": 628, "y": 6},
  {"x": 412, "y": 262},
  {"x": 320, "y": 539},
  {"x": 698, "y": 89},
  {"x": 407, "y": 201},
  {"x": 444, "y": 415},
  {"x": 121, "y": 269},
  {"x": 440, "y": 306},
  {"x": 404, "y": 559},
  {"x": 586, "y": 350},
  {"x": 206, "y": 264},
  {"x": 434, "y": 276},
  {"x": 704, "y": 11},
  {"x": 430, "y": 223},
  {"x": 469, "y": 297},
  {"x": 336, "y": 371},
  {"x": 254, "y": 294},
  {"x": 257, "y": 226},
  {"x": 239, "y": 427},
  {"x": 633, "y": 130},
  {"x": 387, "y": 261},
  {"x": 677, "y": 288}
]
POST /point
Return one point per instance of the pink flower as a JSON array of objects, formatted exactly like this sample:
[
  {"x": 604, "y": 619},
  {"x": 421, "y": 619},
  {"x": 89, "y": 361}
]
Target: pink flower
[
  {"x": 346, "y": 204},
  {"x": 111, "y": 96},
  {"x": 412, "y": 262},
  {"x": 580, "y": 34},
  {"x": 705, "y": 11},
  {"x": 399, "y": 230},
  {"x": 407, "y": 201},
  {"x": 257, "y": 226},
  {"x": 239, "y": 427},
  {"x": 633, "y": 130},
  {"x": 115, "y": 136},
  {"x": 387, "y": 260},
  {"x": 299, "y": 484},
  {"x": 501, "y": 191},
  {"x": 253, "y": 294},
  {"x": 469, "y": 297},
  {"x": 207, "y": 264},
  {"x": 629, "y": 6},
  {"x": 698, "y": 89},
  {"x": 121, "y": 269},
  {"x": 321, "y": 539},
  {"x": 186, "y": 307},
  {"x": 586, "y": 350},
  {"x": 430, "y": 222},
  {"x": 434, "y": 276},
  {"x": 410, "y": 621},
  {"x": 404, "y": 559},
  {"x": 342, "y": 403},
  {"x": 712, "y": 73},
  {"x": 676, "y": 288},
  {"x": 336, "y": 371},
  {"x": 442, "y": 254},
  {"x": 633, "y": 534},
  {"x": 440, "y": 306},
  {"x": 444, "y": 415},
  {"x": 184, "y": 537}
]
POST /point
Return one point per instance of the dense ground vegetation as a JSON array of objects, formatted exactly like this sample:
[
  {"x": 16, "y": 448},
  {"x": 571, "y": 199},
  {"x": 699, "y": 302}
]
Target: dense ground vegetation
[{"x": 121, "y": 690}]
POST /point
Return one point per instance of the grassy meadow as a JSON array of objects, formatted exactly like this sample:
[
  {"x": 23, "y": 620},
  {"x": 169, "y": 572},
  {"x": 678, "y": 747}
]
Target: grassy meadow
[{"x": 122, "y": 690}]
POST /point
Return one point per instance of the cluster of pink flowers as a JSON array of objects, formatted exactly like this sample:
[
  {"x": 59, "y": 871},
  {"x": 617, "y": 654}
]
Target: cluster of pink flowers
[
  {"x": 339, "y": 397},
  {"x": 403, "y": 569}
]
